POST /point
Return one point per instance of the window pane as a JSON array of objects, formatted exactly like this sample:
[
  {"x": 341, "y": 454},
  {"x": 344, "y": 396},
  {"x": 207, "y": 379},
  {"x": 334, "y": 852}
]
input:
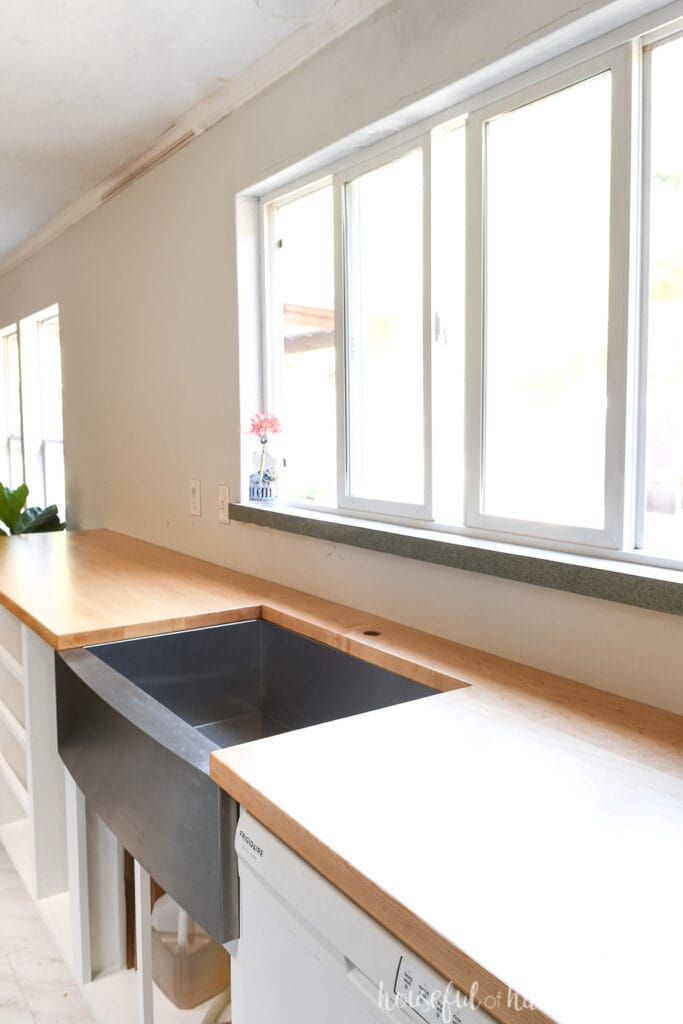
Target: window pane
[
  {"x": 11, "y": 455},
  {"x": 664, "y": 414},
  {"x": 16, "y": 463},
  {"x": 54, "y": 473},
  {"x": 50, "y": 379},
  {"x": 48, "y": 368},
  {"x": 13, "y": 379},
  {"x": 304, "y": 286},
  {"x": 546, "y": 308},
  {"x": 385, "y": 327}
]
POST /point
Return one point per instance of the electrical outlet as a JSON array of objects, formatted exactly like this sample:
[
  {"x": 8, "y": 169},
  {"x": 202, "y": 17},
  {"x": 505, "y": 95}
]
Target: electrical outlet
[
  {"x": 195, "y": 498},
  {"x": 223, "y": 503}
]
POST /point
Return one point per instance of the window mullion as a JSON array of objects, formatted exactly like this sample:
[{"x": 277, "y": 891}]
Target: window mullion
[
  {"x": 643, "y": 292},
  {"x": 474, "y": 316},
  {"x": 427, "y": 320},
  {"x": 31, "y": 426},
  {"x": 620, "y": 420},
  {"x": 341, "y": 331}
]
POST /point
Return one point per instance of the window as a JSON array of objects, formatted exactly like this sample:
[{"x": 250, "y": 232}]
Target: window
[
  {"x": 303, "y": 355},
  {"x": 31, "y": 384},
  {"x": 547, "y": 192},
  {"x": 384, "y": 303},
  {"x": 540, "y": 449},
  {"x": 502, "y": 328},
  {"x": 13, "y": 448},
  {"x": 662, "y": 528},
  {"x": 51, "y": 446}
]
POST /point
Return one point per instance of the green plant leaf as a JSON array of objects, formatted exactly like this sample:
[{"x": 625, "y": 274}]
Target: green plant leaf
[
  {"x": 38, "y": 520},
  {"x": 18, "y": 498},
  {"x": 11, "y": 504},
  {"x": 31, "y": 520}
]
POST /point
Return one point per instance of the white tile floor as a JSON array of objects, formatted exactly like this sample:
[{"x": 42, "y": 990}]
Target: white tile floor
[{"x": 35, "y": 984}]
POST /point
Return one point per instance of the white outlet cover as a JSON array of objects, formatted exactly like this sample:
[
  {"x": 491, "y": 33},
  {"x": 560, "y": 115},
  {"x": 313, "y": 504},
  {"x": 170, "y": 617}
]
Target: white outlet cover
[{"x": 223, "y": 503}]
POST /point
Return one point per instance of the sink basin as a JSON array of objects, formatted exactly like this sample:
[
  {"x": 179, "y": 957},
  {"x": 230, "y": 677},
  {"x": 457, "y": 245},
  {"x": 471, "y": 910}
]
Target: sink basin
[{"x": 137, "y": 721}]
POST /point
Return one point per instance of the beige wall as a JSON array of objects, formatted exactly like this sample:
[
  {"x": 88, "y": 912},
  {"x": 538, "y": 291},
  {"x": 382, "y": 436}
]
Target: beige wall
[{"x": 147, "y": 294}]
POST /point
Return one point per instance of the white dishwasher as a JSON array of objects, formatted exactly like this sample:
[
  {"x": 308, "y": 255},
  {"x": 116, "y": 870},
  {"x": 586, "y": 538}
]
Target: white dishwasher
[{"x": 306, "y": 953}]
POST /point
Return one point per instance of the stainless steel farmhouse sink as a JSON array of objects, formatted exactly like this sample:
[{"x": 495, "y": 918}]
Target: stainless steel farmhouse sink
[{"x": 137, "y": 721}]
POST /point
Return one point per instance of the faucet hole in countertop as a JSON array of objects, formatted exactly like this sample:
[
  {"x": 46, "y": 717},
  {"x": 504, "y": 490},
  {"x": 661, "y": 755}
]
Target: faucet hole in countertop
[{"x": 371, "y": 632}]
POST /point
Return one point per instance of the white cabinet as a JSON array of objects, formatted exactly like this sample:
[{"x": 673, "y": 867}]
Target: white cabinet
[
  {"x": 32, "y": 793},
  {"x": 69, "y": 862},
  {"x": 15, "y": 810}
]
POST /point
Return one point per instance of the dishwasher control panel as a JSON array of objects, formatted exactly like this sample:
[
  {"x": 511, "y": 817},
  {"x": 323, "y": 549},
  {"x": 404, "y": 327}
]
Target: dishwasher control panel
[{"x": 431, "y": 998}]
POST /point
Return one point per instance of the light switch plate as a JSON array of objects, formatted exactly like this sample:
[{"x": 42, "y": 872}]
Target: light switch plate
[{"x": 195, "y": 498}]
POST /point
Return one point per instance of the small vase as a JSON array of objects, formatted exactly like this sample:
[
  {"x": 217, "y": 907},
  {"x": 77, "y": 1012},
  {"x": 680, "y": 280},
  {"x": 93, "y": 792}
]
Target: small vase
[{"x": 263, "y": 479}]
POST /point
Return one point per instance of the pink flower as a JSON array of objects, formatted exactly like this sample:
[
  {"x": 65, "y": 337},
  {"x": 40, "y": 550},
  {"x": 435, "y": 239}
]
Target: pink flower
[{"x": 263, "y": 424}]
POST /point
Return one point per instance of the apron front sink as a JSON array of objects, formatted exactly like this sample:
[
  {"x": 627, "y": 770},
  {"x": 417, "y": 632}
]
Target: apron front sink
[{"x": 137, "y": 721}]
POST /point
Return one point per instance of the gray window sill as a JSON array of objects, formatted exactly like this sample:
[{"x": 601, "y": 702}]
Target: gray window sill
[{"x": 623, "y": 582}]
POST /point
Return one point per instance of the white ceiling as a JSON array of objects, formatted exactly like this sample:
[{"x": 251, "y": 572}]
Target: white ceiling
[{"x": 88, "y": 85}]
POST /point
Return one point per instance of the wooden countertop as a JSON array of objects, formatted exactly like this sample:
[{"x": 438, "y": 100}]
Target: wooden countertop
[
  {"x": 92, "y": 586},
  {"x": 507, "y": 854},
  {"x": 550, "y": 863}
]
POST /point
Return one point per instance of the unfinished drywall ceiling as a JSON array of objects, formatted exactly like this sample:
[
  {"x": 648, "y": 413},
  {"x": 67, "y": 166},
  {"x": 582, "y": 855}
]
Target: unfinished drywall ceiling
[{"x": 88, "y": 85}]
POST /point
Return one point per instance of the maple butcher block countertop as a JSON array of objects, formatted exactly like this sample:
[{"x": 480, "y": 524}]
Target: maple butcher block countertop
[{"x": 518, "y": 831}]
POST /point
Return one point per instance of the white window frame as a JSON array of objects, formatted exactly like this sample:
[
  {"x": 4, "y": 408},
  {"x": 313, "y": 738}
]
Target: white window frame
[
  {"x": 649, "y": 43},
  {"x": 618, "y": 62},
  {"x": 7, "y": 332},
  {"x": 623, "y": 51},
  {"x": 32, "y": 435},
  {"x": 346, "y": 500},
  {"x": 40, "y": 319},
  {"x": 31, "y": 402}
]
